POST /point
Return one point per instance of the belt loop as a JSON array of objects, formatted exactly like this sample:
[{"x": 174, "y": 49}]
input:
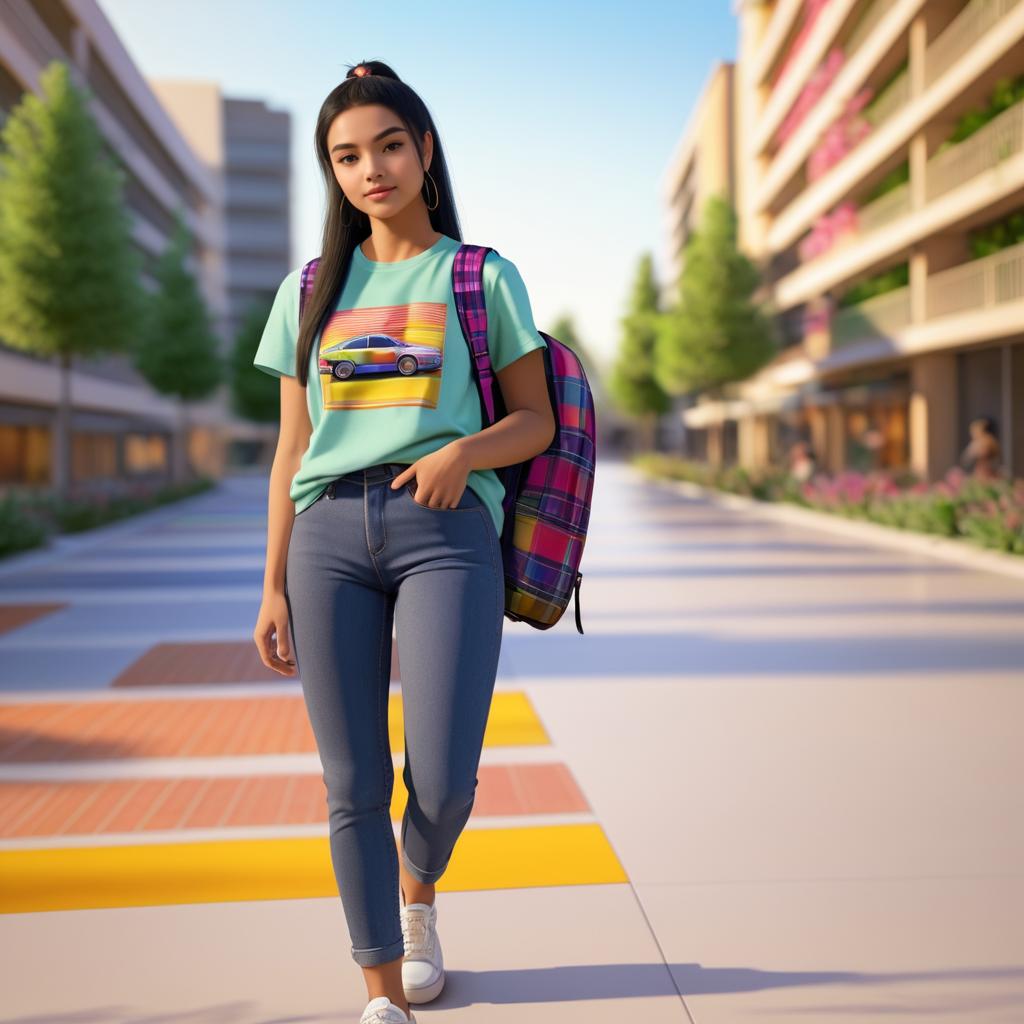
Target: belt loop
[{"x": 330, "y": 490}]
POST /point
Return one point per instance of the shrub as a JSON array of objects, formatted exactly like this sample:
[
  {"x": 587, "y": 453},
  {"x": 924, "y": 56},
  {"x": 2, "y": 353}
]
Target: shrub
[
  {"x": 986, "y": 512},
  {"x": 19, "y": 530},
  {"x": 28, "y": 519}
]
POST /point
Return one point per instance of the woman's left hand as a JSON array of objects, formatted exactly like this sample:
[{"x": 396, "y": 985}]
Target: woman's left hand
[{"x": 440, "y": 477}]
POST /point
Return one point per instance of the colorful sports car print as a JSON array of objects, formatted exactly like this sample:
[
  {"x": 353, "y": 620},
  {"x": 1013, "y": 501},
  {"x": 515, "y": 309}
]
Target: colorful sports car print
[{"x": 377, "y": 354}]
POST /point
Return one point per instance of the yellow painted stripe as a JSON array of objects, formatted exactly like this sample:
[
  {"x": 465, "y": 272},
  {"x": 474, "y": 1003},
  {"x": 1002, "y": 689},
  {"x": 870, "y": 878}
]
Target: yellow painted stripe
[
  {"x": 158, "y": 874},
  {"x": 512, "y": 722}
]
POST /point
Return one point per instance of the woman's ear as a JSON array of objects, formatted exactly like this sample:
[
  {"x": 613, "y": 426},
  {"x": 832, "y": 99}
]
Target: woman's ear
[{"x": 428, "y": 149}]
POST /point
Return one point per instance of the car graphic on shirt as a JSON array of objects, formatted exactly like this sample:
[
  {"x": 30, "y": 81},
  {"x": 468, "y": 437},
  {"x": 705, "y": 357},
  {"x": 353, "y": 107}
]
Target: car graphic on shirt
[{"x": 377, "y": 353}]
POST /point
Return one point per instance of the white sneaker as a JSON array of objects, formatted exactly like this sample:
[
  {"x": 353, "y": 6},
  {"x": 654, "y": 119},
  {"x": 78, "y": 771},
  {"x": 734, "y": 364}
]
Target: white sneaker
[
  {"x": 423, "y": 966},
  {"x": 382, "y": 1011}
]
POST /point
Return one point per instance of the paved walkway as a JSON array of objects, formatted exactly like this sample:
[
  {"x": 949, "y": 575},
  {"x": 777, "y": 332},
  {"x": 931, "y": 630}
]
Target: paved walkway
[{"x": 778, "y": 779}]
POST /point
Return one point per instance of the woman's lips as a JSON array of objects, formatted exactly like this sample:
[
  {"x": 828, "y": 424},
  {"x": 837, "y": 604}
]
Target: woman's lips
[{"x": 381, "y": 195}]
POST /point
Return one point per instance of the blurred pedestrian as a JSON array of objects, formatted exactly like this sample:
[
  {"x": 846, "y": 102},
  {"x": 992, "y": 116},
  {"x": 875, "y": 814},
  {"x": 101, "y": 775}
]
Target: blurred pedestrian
[
  {"x": 982, "y": 455},
  {"x": 802, "y": 463}
]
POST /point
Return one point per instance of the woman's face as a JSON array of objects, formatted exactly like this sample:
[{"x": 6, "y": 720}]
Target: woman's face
[{"x": 369, "y": 147}]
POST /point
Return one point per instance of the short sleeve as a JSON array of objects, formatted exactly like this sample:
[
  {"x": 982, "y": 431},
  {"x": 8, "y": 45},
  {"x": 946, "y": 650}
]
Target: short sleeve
[
  {"x": 511, "y": 332},
  {"x": 276, "y": 351}
]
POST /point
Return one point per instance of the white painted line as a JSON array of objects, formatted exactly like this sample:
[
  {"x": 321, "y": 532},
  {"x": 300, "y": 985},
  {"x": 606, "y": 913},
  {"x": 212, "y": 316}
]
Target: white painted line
[
  {"x": 229, "y": 766},
  {"x": 182, "y": 691},
  {"x": 90, "y": 640},
  {"x": 168, "y": 541},
  {"x": 163, "y": 563},
  {"x": 257, "y": 832},
  {"x": 188, "y": 691},
  {"x": 132, "y": 595}
]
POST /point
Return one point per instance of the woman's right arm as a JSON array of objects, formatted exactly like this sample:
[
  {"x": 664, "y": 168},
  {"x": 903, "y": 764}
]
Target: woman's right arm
[{"x": 271, "y": 633}]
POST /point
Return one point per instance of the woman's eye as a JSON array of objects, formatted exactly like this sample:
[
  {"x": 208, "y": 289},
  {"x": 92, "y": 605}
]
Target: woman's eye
[{"x": 344, "y": 159}]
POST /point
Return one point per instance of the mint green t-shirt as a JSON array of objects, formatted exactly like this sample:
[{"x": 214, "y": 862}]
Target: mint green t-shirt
[{"x": 390, "y": 376}]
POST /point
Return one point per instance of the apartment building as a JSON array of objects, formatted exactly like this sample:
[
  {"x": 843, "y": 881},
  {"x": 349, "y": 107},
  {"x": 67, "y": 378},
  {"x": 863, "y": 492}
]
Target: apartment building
[
  {"x": 702, "y": 166},
  {"x": 222, "y": 164},
  {"x": 880, "y": 187},
  {"x": 120, "y": 426},
  {"x": 248, "y": 144}
]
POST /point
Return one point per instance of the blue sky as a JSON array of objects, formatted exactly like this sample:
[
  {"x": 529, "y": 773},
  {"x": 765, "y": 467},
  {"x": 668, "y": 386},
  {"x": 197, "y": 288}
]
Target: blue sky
[{"x": 558, "y": 119}]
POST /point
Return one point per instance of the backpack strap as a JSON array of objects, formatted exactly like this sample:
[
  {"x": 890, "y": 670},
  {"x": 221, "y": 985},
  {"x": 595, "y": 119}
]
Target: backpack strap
[
  {"x": 306, "y": 280},
  {"x": 468, "y": 286}
]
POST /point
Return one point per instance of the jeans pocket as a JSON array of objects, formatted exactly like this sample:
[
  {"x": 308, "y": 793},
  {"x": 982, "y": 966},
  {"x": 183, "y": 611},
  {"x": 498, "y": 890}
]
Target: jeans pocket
[{"x": 468, "y": 501}]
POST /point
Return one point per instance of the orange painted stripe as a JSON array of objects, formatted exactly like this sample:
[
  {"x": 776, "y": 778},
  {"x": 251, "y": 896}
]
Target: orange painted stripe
[
  {"x": 97, "y": 807},
  {"x": 208, "y": 727},
  {"x": 14, "y": 616}
]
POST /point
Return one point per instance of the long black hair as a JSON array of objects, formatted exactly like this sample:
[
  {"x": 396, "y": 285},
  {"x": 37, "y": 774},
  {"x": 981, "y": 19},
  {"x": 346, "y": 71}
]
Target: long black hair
[{"x": 343, "y": 233}]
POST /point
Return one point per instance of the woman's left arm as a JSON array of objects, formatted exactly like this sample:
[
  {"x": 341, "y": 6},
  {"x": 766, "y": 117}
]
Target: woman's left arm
[{"x": 529, "y": 426}]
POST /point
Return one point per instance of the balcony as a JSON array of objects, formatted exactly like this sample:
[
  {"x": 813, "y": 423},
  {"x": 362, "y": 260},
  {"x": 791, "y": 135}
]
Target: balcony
[
  {"x": 878, "y": 317},
  {"x": 1002, "y": 137},
  {"x": 884, "y": 210},
  {"x": 962, "y": 34},
  {"x": 797, "y": 73},
  {"x": 777, "y": 32},
  {"x": 874, "y": 40},
  {"x": 975, "y": 301},
  {"x": 895, "y": 97},
  {"x": 958, "y": 181},
  {"x": 977, "y": 286},
  {"x": 990, "y": 30}
]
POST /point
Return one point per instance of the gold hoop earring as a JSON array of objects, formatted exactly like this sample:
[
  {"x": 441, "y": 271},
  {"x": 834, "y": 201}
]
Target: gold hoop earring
[{"x": 437, "y": 194}]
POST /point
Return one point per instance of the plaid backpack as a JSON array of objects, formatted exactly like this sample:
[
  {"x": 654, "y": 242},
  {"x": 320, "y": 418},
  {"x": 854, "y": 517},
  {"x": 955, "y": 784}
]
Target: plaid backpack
[{"x": 547, "y": 497}]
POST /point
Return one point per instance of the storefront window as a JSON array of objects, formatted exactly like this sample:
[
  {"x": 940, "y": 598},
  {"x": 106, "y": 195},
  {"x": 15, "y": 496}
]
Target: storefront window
[
  {"x": 93, "y": 456},
  {"x": 145, "y": 453},
  {"x": 24, "y": 454}
]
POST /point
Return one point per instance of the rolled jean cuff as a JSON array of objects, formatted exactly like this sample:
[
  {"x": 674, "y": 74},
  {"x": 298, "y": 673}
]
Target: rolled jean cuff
[
  {"x": 427, "y": 877},
  {"x": 379, "y": 954}
]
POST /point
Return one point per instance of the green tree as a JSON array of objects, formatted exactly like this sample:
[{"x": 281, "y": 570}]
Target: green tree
[
  {"x": 255, "y": 395},
  {"x": 564, "y": 329},
  {"x": 69, "y": 272},
  {"x": 178, "y": 350},
  {"x": 715, "y": 334},
  {"x": 632, "y": 384}
]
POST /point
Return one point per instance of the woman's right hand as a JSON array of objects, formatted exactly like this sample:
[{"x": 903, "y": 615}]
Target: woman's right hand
[{"x": 271, "y": 635}]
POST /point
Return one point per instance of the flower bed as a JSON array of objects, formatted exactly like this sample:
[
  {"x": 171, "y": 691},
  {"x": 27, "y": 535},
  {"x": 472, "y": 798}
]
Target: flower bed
[
  {"x": 28, "y": 519},
  {"x": 987, "y": 512}
]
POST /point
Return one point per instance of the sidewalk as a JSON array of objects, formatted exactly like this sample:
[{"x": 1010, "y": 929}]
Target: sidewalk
[{"x": 777, "y": 778}]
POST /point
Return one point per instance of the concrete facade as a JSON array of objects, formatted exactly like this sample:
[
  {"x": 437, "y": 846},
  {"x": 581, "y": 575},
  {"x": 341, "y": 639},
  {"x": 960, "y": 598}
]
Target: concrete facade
[
  {"x": 178, "y": 149},
  {"x": 852, "y": 162}
]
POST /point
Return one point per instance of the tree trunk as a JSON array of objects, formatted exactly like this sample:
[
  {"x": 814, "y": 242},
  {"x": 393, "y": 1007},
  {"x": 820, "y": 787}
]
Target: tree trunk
[
  {"x": 179, "y": 464},
  {"x": 60, "y": 467}
]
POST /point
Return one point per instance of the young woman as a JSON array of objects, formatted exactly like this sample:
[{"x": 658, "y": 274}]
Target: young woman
[{"x": 385, "y": 510}]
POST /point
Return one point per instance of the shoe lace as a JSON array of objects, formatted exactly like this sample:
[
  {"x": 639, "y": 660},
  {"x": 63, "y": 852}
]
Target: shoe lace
[
  {"x": 379, "y": 1017},
  {"x": 415, "y": 932}
]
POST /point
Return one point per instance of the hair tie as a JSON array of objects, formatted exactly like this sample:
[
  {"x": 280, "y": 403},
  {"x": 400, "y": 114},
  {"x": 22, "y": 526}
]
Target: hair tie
[{"x": 361, "y": 71}]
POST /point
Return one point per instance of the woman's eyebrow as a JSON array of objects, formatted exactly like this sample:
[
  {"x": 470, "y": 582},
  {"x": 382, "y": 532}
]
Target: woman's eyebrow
[{"x": 376, "y": 138}]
